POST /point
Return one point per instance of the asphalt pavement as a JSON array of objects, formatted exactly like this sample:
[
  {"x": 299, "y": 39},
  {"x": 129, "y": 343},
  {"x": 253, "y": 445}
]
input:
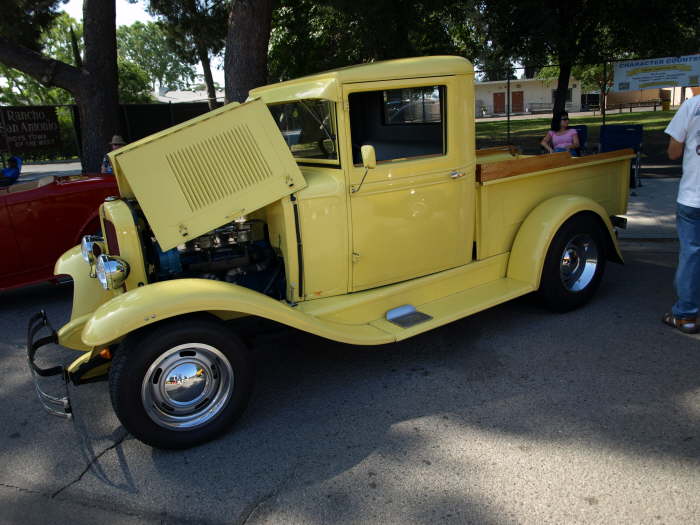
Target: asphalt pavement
[{"x": 514, "y": 415}]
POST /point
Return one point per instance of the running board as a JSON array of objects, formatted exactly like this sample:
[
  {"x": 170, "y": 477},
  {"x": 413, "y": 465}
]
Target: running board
[
  {"x": 406, "y": 316},
  {"x": 456, "y": 306}
]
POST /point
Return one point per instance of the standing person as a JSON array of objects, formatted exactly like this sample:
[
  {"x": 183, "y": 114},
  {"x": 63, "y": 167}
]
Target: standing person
[
  {"x": 116, "y": 143},
  {"x": 684, "y": 141},
  {"x": 561, "y": 137}
]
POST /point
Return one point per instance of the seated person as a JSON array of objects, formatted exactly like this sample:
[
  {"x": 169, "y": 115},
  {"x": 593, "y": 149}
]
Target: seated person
[
  {"x": 561, "y": 137},
  {"x": 10, "y": 174}
]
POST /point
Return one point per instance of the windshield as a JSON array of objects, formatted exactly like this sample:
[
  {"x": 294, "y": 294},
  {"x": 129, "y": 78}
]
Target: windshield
[{"x": 308, "y": 126}]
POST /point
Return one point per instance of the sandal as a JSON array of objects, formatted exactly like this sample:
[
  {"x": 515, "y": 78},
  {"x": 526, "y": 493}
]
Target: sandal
[{"x": 687, "y": 325}]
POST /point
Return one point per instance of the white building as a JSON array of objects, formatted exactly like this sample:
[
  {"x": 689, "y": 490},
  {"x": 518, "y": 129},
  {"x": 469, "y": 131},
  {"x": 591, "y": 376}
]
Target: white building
[
  {"x": 531, "y": 95},
  {"x": 185, "y": 96}
]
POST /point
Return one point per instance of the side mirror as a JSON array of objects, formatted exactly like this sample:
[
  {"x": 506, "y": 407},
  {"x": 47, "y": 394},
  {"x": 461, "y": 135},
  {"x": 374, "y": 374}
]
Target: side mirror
[{"x": 369, "y": 157}]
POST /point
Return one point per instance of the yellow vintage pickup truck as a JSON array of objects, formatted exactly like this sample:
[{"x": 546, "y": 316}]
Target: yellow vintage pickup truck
[{"x": 351, "y": 204}]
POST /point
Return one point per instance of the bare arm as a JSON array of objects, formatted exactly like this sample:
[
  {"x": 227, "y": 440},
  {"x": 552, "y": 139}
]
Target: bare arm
[
  {"x": 575, "y": 144},
  {"x": 675, "y": 149},
  {"x": 545, "y": 143}
]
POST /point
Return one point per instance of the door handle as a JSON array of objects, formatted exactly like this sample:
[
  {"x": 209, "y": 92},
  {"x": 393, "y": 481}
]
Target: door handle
[{"x": 457, "y": 174}]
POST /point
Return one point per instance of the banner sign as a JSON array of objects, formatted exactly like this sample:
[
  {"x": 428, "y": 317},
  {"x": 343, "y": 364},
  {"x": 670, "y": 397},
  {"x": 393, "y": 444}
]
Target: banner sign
[
  {"x": 28, "y": 128},
  {"x": 657, "y": 73}
]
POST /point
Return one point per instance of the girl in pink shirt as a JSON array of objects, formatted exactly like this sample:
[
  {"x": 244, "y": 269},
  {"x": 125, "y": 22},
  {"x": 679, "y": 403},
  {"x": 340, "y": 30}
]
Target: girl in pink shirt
[{"x": 561, "y": 137}]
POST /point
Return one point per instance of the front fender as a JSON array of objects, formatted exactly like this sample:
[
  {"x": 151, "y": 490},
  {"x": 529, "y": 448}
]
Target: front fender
[
  {"x": 152, "y": 303},
  {"x": 87, "y": 296},
  {"x": 538, "y": 229}
]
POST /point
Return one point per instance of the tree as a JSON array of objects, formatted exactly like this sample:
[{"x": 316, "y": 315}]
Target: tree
[
  {"x": 56, "y": 41},
  {"x": 570, "y": 32},
  {"x": 53, "y": 38},
  {"x": 310, "y": 36},
  {"x": 495, "y": 66},
  {"x": 245, "y": 63},
  {"x": 145, "y": 45},
  {"x": 195, "y": 31},
  {"x": 134, "y": 83},
  {"x": 589, "y": 32},
  {"x": 26, "y": 19},
  {"x": 94, "y": 84}
]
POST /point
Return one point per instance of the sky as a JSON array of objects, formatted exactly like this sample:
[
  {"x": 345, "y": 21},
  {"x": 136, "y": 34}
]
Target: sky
[{"x": 127, "y": 14}]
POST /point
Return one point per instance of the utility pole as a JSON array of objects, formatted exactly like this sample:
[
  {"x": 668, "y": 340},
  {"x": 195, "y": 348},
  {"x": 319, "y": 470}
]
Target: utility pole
[
  {"x": 508, "y": 101},
  {"x": 604, "y": 94}
]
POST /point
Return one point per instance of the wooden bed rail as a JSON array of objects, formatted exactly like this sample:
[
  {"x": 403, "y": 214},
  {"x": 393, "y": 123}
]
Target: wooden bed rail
[{"x": 510, "y": 168}]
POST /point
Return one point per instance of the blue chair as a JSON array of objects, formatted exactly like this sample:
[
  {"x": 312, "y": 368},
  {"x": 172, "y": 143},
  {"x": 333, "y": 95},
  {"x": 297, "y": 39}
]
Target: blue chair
[
  {"x": 582, "y": 132},
  {"x": 621, "y": 136}
]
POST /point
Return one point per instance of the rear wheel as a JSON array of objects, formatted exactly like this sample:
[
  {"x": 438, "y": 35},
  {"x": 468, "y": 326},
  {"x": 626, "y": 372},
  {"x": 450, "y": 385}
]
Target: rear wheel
[
  {"x": 182, "y": 384},
  {"x": 574, "y": 264}
]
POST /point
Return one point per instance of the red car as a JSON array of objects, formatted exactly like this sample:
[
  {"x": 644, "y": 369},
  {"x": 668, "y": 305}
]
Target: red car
[{"x": 41, "y": 219}]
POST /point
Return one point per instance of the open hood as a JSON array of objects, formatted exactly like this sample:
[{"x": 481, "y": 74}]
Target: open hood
[{"x": 204, "y": 173}]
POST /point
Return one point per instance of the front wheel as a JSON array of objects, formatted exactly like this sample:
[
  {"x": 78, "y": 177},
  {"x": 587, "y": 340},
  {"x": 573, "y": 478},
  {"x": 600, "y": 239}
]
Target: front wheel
[
  {"x": 182, "y": 384},
  {"x": 574, "y": 264}
]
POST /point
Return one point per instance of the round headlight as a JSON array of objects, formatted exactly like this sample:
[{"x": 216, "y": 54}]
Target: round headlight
[
  {"x": 91, "y": 247},
  {"x": 111, "y": 271}
]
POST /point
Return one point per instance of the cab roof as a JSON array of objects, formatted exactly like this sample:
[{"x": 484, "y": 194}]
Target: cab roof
[{"x": 327, "y": 84}]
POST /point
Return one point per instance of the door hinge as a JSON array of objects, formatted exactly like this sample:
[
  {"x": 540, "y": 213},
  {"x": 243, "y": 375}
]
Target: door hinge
[{"x": 355, "y": 257}]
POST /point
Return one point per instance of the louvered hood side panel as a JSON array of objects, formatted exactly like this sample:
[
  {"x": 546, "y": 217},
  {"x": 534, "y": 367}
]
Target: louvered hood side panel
[{"x": 204, "y": 173}]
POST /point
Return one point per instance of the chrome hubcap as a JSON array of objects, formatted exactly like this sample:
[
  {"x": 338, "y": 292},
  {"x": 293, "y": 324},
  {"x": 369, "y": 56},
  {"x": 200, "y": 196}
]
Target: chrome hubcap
[
  {"x": 579, "y": 262},
  {"x": 187, "y": 386}
]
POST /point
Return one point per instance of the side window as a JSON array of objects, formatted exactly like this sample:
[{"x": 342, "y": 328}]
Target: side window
[
  {"x": 399, "y": 123},
  {"x": 308, "y": 127}
]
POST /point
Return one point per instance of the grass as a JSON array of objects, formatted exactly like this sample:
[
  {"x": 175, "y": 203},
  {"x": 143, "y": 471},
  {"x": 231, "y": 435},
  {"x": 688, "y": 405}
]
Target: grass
[{"x": 528, "y": 133}]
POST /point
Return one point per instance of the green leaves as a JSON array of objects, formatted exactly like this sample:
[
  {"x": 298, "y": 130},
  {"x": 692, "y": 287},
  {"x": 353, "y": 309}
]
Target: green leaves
[
  {"x": 134, "y": 83},
  {"x": 23, "y": 21},
  {"x": 310, "y": 36},
  {"x": 145, "y": 45}
]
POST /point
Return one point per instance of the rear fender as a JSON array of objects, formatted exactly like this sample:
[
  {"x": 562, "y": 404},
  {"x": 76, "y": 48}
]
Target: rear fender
[
  {"x": 150, "y": 304},
  {"x": 537, "y": 231}
]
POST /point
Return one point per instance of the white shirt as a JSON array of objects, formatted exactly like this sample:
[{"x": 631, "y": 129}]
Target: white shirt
[{"x": 685, "y": 127}]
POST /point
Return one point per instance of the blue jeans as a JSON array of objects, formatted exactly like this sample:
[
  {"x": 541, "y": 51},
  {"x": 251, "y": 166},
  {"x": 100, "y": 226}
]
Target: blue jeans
[
  {"x": 572, "y": 151},
  {"x": 688, "y": 273}
]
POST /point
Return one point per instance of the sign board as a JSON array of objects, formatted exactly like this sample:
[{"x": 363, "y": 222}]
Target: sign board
[
  {"x": 632, "y": 75},
  {"x": 28, "y": 128}
]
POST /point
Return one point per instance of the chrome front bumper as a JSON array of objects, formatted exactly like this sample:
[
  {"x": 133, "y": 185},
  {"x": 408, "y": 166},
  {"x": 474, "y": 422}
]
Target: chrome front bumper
[{"x": 55, "y": 405}]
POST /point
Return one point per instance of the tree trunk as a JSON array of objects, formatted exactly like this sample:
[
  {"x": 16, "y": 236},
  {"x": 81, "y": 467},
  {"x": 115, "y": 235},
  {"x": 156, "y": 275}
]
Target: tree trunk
[
  {"x": 98, "y": 98},
  {"x": 208, "y": 78},
  {"x": 94, "y": 86},
  {"x": 562, "y": 88},
  {"x": 245, "y": 64}
]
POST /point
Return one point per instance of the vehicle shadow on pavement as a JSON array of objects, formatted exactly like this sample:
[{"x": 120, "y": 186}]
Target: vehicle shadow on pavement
[
  {"x": 609, "y": 377},
  {"x": 40, "y": 451}
]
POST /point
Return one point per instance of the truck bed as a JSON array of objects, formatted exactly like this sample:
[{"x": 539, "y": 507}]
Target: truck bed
[{"x": 508, "y": 190}]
